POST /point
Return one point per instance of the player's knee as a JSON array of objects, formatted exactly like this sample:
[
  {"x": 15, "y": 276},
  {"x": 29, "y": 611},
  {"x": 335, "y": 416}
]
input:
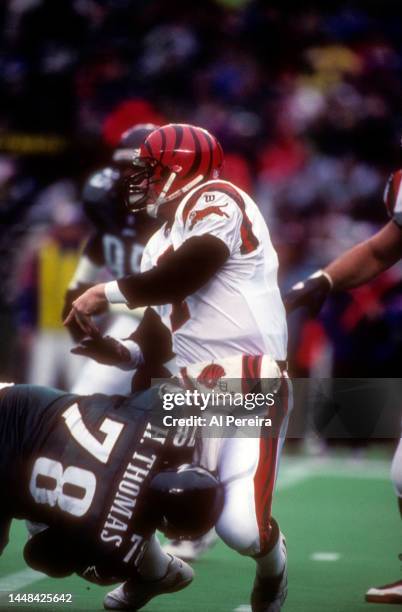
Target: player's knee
[{"x": 238, "y": 537}]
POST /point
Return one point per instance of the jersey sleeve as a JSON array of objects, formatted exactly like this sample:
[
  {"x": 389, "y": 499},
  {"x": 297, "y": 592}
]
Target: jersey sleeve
[
  {"x": 212, "y": 212},
  {"x": 393, "y": 197}
]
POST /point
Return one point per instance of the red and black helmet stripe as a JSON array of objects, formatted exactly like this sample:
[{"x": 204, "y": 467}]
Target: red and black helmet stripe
[
  {"x": 178, "y": 129},
  {"x": 155, "y": 147},
  {"x": 168, "y": 141},
  {"x": 208, "y": 138},
  {"x": 163, "y": 144},
  {"x": 194, "y": 168},
  {"x": 188, "y": 151},
  {"x": 148, "y": 148}
]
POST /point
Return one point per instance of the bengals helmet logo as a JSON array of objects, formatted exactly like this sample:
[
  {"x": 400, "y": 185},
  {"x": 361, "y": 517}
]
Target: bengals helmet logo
[
  {"x": 210, "y": 375},
  {"x": 198, "y": 215}
]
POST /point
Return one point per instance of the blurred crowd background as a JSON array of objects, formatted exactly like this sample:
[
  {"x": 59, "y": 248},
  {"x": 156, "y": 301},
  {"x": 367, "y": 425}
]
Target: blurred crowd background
[{"x": 305, "y": 98}]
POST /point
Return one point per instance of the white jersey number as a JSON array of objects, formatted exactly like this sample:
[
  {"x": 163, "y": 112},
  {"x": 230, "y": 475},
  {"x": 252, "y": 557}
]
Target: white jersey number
[
  {"x": 53, "y": 485},
  {"x": 72, "y": 489},
  {"x": 115, "y": 256},
  {"x": 100, "y": 450}
]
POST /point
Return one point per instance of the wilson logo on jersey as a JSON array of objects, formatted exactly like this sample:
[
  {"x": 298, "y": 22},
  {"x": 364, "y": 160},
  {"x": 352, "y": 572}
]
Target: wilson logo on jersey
[
  {"x": 248, "y": 239},
  {"x": 198, "y": 215}
]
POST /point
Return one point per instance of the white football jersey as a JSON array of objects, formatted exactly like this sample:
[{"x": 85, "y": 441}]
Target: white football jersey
[{"x": 239, "y": 311}]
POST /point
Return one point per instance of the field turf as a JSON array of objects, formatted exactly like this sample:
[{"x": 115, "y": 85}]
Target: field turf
[{"x": 343, "y": 532}]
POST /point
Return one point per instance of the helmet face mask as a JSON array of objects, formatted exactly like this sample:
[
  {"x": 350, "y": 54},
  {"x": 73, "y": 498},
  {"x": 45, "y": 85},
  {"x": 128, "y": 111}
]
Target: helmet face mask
[
  {"x": 177, "y": 158},
  {"x": 139, "y": 184}
]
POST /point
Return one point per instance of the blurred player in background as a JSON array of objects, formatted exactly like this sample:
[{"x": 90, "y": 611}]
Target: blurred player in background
[
  {"x": 355, "y": 267},
  {"x": 113, "y": 250},
  {"x": 210, "y": 273},
  {"x": 44, "y": 267},
  {"x": 102, "y": 474}
]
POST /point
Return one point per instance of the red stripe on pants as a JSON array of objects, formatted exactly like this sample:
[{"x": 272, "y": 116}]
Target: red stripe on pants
[{"x": 264, "y": 478}]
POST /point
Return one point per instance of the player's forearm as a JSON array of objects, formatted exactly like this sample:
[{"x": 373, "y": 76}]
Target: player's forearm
[
  {"x": 180, "y": 274},
  {"x": 354, "y": 268},
  {"x": 366, "y": 260}
]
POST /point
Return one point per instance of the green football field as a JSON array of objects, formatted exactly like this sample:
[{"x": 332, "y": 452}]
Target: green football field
[{"x": 343, "y": 532}]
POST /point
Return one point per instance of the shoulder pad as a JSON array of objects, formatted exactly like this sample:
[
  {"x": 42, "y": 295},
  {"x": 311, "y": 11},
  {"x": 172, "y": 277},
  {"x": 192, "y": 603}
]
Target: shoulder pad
[{"x": 393, "y": 197}]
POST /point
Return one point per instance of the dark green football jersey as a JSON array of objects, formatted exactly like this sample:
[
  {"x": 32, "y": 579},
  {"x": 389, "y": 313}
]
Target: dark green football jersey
[{"x": 81, "y": 464}]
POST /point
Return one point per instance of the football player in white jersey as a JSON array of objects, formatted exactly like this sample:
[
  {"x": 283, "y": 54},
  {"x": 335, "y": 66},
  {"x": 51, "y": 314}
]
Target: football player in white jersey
[
  {"x": 209, "y": 275},
  {"x": 352, "y": 269}
]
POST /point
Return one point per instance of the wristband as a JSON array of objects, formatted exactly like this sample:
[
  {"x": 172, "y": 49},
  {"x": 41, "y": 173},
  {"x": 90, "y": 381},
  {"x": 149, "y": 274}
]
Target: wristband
[
  {"x": 113, "y": 293},
  {"x": 135, "y": 354},
  {"x": 323, "y": 273}
]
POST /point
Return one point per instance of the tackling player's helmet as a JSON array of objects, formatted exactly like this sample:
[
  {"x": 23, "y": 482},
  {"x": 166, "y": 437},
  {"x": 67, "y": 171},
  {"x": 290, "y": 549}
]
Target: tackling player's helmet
[
  {"x": 130, "y": 142},
  {"x": 172, "y": 160},
  {"x": 188, "y": 500},
  {"x": 104, "y": 192}
]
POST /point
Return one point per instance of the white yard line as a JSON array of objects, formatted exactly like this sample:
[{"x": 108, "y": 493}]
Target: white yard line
[
  {"x": 332, "y": 467},
  {"x": 292, "y": 475},
  {"x": 19, "y": 580},
  {"x": 325, "y": 556}
]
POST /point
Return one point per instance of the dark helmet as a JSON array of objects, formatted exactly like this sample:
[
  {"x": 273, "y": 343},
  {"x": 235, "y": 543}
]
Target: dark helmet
[
  {"x": 188, "y": 500},
  {"x": 104, "y": 191},
  {"x": 130, "y": 142}
]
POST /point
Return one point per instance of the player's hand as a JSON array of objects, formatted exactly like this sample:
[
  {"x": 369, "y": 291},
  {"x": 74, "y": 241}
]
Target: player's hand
[
  {"x": 93, "y": 301},
  {"x": 106, "y": 350},
  {"x": 71, "y": 295},
  {"x": 310, "y": 293}
]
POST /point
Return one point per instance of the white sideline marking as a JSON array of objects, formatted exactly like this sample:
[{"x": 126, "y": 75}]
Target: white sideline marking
[
  {"x": 291, "y": 475},
  {"x": 332, "y": 467},
  {"x": 325, "y": 556},
  {"x": 243, "y": 608},
  {"x": 19, "y": 580}
]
